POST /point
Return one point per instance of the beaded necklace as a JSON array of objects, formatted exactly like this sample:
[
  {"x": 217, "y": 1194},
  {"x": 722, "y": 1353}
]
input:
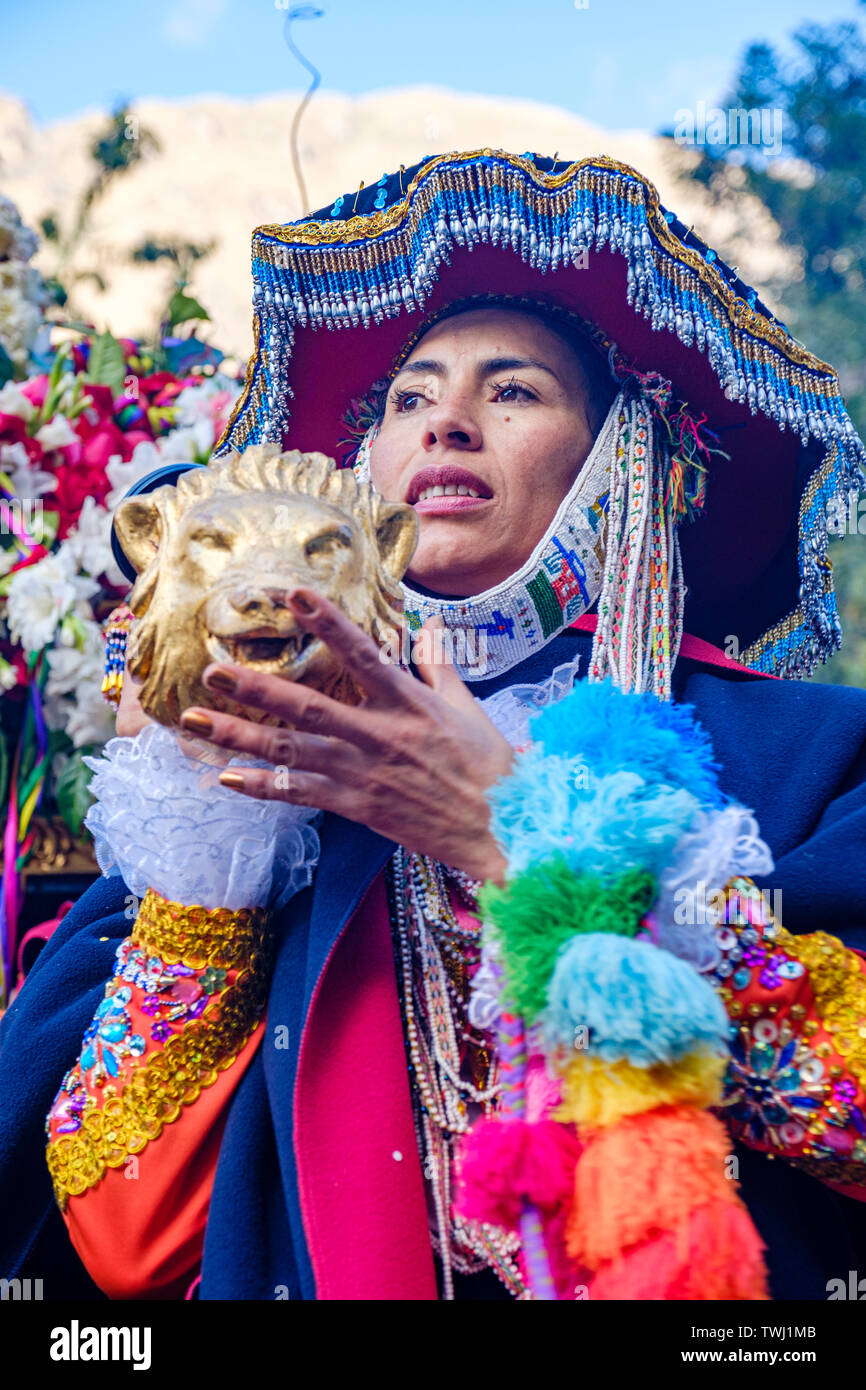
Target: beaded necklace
[{"x": 452, "y": 1067}]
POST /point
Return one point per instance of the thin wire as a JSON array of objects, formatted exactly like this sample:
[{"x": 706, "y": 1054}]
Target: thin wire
[{"x": 301, "y": 12}]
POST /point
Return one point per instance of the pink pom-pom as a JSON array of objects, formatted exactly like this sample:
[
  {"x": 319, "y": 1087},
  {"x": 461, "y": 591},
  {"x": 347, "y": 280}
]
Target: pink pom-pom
[
  {"x": 506, "y": 1162},
  {"x": 543, "y": 1093}
]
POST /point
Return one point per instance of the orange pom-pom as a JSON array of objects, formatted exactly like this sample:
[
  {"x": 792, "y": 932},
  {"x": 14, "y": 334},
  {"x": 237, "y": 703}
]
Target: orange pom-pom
[
  {"x": 645, "y": 1176},
  {"x": 715, "y": 1254}
]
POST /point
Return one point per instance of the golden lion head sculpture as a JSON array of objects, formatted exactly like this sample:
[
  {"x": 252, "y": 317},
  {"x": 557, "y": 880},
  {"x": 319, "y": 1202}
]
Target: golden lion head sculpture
[{"x": 218, "y": 554}]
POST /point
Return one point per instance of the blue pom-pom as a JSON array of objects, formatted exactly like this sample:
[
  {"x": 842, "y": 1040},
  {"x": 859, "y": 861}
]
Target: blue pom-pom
[
  {"x": 614, "y": 731},
  {"x": 603, "y": 825},
  {"x": 638, "y": 1002}
]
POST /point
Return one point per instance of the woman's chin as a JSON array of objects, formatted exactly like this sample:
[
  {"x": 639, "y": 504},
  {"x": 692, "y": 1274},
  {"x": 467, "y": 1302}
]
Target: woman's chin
[{"x": 454, "y": 580}]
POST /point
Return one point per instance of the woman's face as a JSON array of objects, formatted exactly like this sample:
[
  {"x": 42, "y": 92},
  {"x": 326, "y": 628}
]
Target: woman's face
[{"x": 487, "y": 425}]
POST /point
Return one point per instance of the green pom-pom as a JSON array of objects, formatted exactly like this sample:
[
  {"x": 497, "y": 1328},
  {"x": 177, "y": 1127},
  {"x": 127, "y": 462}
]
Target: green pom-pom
[{"x": 540, "y": 911}]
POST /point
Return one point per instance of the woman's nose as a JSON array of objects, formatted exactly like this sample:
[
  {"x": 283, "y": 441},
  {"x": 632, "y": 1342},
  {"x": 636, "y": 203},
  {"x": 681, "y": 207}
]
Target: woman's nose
[{"x": 451, "y": 424}]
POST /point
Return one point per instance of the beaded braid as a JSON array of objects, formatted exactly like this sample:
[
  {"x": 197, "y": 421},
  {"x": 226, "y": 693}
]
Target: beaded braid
[{"x": 115, "y": 635}]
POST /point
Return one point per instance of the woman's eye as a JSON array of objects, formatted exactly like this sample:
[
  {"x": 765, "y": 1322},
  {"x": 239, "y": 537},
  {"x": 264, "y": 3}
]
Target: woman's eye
[
  {"x": 406, "y": 401},
  {"x": 513, "y": 391}
]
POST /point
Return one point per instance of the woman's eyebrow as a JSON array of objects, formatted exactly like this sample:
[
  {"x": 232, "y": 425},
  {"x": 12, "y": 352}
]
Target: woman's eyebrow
[
  {"x": 510, "y": 364},
  {"x": 485, "y": 368},
  {"x": 423, "y": 365}
]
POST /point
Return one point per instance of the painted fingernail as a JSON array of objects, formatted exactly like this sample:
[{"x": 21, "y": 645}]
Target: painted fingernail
[
  {"x": 234, "y": 780},
  {"x": 299, "y": 600},
  {"x": 220, "y": 679},
  {"x": 196, "y": 723}
]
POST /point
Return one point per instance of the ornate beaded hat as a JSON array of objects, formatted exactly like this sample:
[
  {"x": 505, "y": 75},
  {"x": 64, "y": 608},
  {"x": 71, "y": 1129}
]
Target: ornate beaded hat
[{"x": 338, "y": 295}]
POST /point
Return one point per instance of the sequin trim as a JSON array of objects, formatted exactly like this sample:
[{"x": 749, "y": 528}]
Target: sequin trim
[
  {"x": 100, "y": 1123},
  {"x": 198, "y": 936},
  {"x": 796, "y": 1083}
]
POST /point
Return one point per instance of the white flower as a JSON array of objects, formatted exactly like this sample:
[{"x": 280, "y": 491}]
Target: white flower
[
  {"x": 145, "y": 458},
  {"x": 90, "y": 543},
  {"x": 19, "y": 322},
  {"x": 41, "y": 595},
  {"x": 70, "y": 666},
  {"x": 22, "y": 291},
  {"x": 27, "y": 479},
  {"x": 83, "y": 714},
  {"x": 14, "y": 402},
  {"x": 215, "y": 396},
  {"x": 57, "y": 434},
  {"x": 14, "y": 456},
  {"x": 187, "y": 445},
  {"x": 73, "y": 700},
  {"x": 91, "y": 719},
  {"x": 16, "y": 240}
]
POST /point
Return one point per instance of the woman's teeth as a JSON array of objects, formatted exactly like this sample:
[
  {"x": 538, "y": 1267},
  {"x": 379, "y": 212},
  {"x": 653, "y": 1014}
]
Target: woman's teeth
[{"x": 451, "y": 490}]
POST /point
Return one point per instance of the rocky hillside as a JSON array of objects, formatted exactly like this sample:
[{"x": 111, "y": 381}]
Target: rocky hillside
[{"x": 224, "y": 166}]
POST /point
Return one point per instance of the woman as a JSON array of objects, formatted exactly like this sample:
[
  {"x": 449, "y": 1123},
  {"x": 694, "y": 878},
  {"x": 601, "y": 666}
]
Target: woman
[{"x": 315, "y": 1164}]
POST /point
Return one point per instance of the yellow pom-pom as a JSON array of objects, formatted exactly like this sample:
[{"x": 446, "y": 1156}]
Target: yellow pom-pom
[{"x": 598, "y": 1093}]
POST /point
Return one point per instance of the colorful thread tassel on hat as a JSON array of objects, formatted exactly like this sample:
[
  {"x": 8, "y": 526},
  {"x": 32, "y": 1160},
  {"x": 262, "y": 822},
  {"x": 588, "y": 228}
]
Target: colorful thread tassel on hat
[{"x": 623, "y": 1190}]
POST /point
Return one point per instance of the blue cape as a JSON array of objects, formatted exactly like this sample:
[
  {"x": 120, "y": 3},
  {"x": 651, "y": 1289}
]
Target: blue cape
[{"x": 794, "y": 753}]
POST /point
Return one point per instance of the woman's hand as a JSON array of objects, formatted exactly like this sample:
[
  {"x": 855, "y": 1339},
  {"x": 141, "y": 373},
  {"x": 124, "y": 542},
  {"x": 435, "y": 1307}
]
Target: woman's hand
[
  {"x": 413, "y": 762},
  {"x": 130, "y": 718}
]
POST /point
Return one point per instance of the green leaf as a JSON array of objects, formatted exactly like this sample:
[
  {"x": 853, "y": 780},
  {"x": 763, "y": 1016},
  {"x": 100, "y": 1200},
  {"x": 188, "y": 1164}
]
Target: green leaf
[
  {"x": 72, "y": 792},
  {"x": 50, "y": 524},
  {"x": 182, "y": 307},
  {"x": 4, "y": 773},
  {"x": 7, "y": 366},
  {"x": 106, "y": 365},
  {"x": 59, "y": 742},
  {"x": 57, "y": 293}
]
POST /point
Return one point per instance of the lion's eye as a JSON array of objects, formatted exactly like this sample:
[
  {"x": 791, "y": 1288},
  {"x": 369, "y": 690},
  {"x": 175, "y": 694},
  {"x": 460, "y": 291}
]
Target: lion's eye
[
  {"x": 211, "y": 540},
  {"x": 327, "y": 542}
]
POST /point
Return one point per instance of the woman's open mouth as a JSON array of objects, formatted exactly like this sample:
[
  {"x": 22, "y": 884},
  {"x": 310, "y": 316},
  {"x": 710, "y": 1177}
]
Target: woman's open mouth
[
  {"x": 441, "y": 503},
  {"x": 442, "y": 489}
]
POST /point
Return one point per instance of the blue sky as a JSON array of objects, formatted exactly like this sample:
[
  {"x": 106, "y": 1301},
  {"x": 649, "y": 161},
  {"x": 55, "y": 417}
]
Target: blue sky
[{"x": 621, "y": 63}]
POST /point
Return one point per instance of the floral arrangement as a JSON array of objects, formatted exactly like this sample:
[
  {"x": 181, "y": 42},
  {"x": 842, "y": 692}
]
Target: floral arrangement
[
  {"x": 82, "y": 417},
  {"x": 23, "y": 294}
]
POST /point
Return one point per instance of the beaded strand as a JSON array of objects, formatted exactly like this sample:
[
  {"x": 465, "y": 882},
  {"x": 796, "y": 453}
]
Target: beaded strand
[{"x": 435, "y": 958}]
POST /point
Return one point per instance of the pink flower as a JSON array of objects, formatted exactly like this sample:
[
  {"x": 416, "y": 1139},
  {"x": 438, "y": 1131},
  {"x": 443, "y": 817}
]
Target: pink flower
[{"x": 36, "y": 389}]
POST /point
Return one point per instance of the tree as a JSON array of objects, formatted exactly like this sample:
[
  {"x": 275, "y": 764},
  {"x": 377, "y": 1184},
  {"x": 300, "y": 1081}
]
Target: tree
[
  {"x": 815, "y": 188},
  {"x": 117, "y": 149},
  {"x": 181, "y": 308}
]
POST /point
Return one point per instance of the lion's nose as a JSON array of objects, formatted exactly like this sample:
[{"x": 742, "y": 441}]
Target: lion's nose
[{"x": 250, "y": 601}]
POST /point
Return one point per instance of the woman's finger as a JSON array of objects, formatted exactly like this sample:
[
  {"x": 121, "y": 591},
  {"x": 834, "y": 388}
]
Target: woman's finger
[
  {"x": 282, "y": 747},
  {"x": 298, "y": 705},
  {"x": 300, "y": 788},
  {"x": 431, "y": 654},
  {"x": 384, "y": 682}
]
